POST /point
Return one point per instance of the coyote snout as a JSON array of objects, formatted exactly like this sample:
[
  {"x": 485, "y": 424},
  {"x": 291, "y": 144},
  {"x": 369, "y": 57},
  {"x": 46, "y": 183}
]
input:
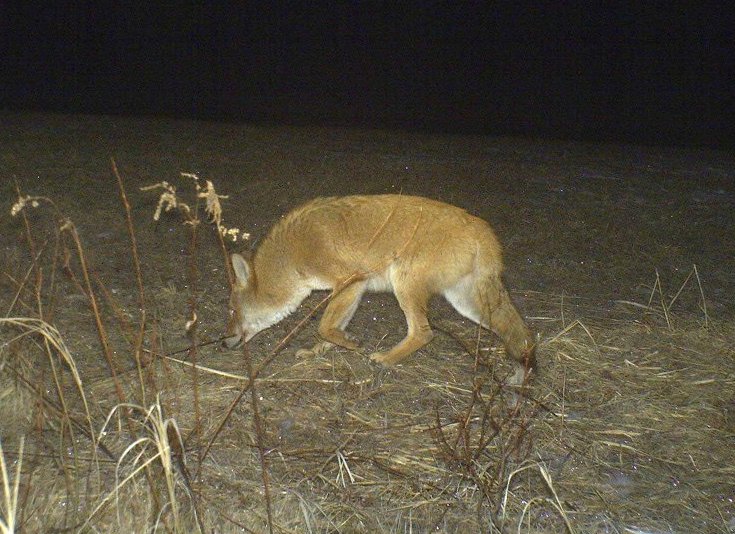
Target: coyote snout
[
  {"x": 234, "y": 331},
  {"x": 411, "y": 246}
]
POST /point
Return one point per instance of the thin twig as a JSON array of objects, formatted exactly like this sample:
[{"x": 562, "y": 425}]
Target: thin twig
[
  {"x": 259, "y": 441},
  {"x": 701, "y": 293},
  {"x": 138, "y": 278}
]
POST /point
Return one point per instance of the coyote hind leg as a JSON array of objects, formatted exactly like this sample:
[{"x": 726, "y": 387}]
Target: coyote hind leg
[{"x": 413, "y": 304}]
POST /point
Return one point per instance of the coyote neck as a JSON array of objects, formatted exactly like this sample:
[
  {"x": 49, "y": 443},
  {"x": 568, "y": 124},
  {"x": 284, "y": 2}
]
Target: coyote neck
[{"x": 279, "y": 285}]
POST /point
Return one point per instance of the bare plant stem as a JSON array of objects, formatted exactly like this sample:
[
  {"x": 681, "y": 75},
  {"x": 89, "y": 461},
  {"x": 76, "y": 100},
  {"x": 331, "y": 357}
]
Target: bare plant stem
[
  {"x": 192, "y": 325},
  {"x": 258, "y": 429},
  {"x": 138, "y": 278},
  {"x": 101, "y": 330},
  {"x": 225, "y": 256}
]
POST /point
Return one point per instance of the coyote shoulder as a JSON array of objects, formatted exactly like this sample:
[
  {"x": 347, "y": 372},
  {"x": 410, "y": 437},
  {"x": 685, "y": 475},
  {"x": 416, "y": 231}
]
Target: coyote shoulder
[{"x": 412, "y": 246}]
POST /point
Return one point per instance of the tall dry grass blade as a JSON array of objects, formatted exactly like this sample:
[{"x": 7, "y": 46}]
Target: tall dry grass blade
[
  {"x": 131, "y": 235},
  {"x": 701, "y": 294},
  {"x": 67, "y": 436},
  {"x": 69, "y": 227},
  {"x": 554, "y": 501},
  {"x": 113, "y": 494},
  {"x": 168, "y": 200},
  {"x": 681, "y": 288},
  {"x": 159, "y": 431},
  {"x": 563, "y": 320},
  {"x": 20, "y": 206},
  {"x": 657, "y": 286},
  {"x": 566, "y": 330},
  {"x": 10, "y": 495}
]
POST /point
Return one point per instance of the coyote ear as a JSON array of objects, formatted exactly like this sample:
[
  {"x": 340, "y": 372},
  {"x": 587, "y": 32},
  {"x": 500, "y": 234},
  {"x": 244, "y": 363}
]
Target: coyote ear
[{"x": 241, "y": 266}]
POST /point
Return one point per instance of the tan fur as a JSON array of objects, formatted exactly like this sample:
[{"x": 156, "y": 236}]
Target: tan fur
[{"x": 412, "y": 246}]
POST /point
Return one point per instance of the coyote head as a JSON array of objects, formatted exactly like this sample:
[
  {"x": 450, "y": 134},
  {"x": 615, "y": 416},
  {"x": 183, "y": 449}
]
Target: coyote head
[{"x": 247, "y": 315}]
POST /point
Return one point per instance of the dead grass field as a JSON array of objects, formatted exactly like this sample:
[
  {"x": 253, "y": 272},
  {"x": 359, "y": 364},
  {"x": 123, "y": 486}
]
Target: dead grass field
[{"x": 111, "y": 422}]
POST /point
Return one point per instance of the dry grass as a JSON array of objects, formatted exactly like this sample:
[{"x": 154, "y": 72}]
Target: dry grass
[{"x": 629, "y": 427}]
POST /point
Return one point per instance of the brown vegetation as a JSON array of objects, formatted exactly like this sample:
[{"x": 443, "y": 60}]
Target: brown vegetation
[{"x": 629, "y": 427}]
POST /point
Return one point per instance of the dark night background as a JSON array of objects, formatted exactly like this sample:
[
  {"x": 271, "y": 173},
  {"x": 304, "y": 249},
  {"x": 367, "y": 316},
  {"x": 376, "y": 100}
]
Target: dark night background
[{"x": 626, "y": 72}]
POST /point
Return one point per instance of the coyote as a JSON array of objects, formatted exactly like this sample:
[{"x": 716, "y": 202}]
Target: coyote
[{"x": 412, "y": 246}]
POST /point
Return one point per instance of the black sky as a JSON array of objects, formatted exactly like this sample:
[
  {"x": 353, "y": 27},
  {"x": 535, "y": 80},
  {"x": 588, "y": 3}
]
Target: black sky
[{"x": 632, "y": 72}]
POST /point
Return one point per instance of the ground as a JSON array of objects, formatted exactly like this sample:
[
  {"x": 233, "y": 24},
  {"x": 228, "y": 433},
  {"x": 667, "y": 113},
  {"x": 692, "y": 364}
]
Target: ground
[{"x": 628, "y": 427}]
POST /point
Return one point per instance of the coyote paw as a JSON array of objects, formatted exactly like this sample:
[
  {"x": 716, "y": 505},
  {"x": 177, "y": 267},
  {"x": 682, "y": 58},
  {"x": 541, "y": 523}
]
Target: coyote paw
[
  {"x": 386, "y": 358},
  {"x": 317, "y": 350},
  {"x": 353, "y": 341},
  {"x": 341, "y": 338},
  {"x": 378, "y": 357}
]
